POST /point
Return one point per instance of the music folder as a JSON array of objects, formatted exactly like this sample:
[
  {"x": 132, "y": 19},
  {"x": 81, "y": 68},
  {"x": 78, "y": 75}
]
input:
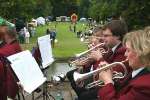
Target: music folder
[{"x": 27, "y": 70}]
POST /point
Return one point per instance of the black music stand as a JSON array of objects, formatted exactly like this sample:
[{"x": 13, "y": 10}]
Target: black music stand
[
  {"x": 45, "y": 94},
  {"x": 46, "y": 53}
]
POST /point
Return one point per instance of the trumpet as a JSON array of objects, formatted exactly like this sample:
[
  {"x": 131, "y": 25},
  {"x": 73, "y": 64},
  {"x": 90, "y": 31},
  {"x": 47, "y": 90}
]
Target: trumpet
[
  {"x": 79, "y": 61},
  {"x": 116, "y": 75},
  {"x": 83, "y": 57},
  {"x": 87, "y": 51}
]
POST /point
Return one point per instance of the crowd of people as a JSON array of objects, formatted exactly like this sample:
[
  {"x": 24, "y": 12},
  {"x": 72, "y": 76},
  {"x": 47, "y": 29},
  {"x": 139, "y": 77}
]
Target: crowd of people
[
  {"x": 116, "y": 44},
  {"x": 24, "y": 30}
]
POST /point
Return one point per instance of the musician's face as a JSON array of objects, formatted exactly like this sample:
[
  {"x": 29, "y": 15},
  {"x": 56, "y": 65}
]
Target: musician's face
[
  {"x": 2, "y": 32},
  {"x": 4, "y": 36},
  {"x": 109, "y": 39},
  {"x": 94, "y": 41},
  {"x": 132, "y": 56},
  {"x": 99, "y": 36}
]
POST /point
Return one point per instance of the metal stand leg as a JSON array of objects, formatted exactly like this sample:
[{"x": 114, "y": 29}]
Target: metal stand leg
[
  {"x": 45, "y": 95},
  {"x": 33, "y": 96}
]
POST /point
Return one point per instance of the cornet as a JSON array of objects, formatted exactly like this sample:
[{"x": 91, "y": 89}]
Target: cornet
[
  {"x": 83, "y": 56},
  {"x": 116, "y": 75},
  {"x": 87, "y": 51}
]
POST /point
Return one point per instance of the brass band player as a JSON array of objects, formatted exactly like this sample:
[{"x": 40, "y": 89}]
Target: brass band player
[
  {"x": 113, "y": 33},
  {"x": 137, "y": 86},
  {"x": 86, "y": 66}
]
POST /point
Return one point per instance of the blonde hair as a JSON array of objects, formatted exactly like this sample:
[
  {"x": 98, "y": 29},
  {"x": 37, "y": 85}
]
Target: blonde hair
[{"x": 140, "y": 42}]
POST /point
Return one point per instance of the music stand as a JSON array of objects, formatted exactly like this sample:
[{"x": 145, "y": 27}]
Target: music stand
[
  {"x": 44, "y": 44},
  {"x": 25, "y": 66}
]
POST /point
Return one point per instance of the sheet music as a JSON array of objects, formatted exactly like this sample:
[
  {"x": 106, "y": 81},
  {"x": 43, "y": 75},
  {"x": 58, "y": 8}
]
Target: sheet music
[
  {"x": 27, "y": 70},
  {"x": 45, "y": 50}
]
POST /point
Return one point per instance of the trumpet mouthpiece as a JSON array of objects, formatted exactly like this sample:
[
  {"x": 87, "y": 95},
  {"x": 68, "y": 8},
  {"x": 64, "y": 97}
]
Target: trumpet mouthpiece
[{"x": 126, "y": 60}]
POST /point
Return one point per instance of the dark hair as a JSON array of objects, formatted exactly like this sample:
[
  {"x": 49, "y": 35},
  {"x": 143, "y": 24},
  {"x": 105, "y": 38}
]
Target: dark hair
[
  {"x": 117, "y": 27},
  {"x": 97, "y": 29}
]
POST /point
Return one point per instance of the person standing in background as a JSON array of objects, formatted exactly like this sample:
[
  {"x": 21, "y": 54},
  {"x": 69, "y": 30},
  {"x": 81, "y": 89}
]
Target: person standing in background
[
  {"x": 27, "y": 35},
  {"x": 53, "y": 37}
]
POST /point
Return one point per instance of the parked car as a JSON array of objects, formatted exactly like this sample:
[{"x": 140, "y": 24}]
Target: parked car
[
  {"x": 83, "y": 19},
  {"x": 49, "y": 18}
]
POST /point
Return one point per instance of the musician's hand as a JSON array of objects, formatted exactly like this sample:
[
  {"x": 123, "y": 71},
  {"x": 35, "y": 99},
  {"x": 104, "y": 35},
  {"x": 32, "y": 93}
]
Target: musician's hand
[
  {"x": 80, "y": 84},
  {"x": 79, "y": 69},
  {"x": 90, "y": 45},
  {"x": 93, "y": 41},
  {"x": 21, "y": 88},
  {"x": 96, "y": 55},
  {"x": 95, "y": 77},
  {"x": 106, "y": 75}
]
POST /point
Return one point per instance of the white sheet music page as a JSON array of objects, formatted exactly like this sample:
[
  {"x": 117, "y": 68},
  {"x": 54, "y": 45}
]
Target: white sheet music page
[
  {"x": 27, "y": 70},
  {"x": 44, "y": 43}
]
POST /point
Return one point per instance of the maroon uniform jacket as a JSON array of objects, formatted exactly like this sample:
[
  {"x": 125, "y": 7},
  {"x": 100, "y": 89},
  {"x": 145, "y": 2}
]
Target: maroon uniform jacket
[
  {"x": 110, "y": 57},
  {"x": 10, "y": 49},
  {"x": 117, "y": 56},
  {"x": 137, "y": 88},
  {"x": 3, "y": 75},
  {"x": 7, "y": 50},
  {"x": 37, "y": 55}
]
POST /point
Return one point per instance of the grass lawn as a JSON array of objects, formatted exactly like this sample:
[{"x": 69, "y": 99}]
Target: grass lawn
[{"x": 68, "y": 44}]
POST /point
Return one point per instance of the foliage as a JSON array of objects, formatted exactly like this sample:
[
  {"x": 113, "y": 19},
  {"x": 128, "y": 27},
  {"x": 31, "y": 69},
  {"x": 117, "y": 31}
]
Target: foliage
[
  {"x": 135, "y": 12},
  {"x": 83, "y": 8},
  {"x": 64, "y": 7},
  {"x": 25, "y": 9},
  {"x": 43, "y": 8}
]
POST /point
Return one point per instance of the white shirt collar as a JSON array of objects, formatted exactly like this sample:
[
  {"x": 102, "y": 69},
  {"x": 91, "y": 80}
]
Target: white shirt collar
[
  {"x": 135, "y": 72},
  {"x": 115, "y": 47}
]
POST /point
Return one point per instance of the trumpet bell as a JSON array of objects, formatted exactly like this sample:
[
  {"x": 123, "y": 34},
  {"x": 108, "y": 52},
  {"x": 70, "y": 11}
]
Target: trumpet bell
[
  {"x": 77, "y": 76},
  {"x": 78, "y": 55}
]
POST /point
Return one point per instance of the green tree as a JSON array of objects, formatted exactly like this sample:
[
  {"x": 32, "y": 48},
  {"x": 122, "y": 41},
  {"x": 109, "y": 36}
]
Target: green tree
[
  {"x": 26, "y": 9},
  {"x": 83, "y": 7},
  {"x": 43, "y": 8},
  {"x": 64, "y": 7},
  {"x": 135, "y": 12}
]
